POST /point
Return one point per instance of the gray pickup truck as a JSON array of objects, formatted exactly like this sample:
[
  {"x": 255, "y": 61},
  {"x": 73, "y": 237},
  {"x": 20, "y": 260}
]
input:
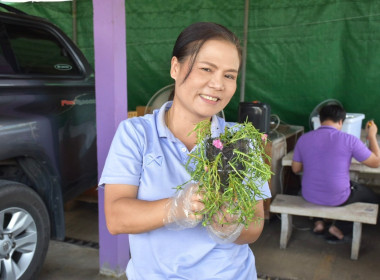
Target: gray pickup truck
[{"x": 47, "y": 137}]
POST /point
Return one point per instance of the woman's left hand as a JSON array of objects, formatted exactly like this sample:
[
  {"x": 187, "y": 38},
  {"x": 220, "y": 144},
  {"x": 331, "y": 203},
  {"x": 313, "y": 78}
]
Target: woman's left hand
[{"x": 225, "y": 227}]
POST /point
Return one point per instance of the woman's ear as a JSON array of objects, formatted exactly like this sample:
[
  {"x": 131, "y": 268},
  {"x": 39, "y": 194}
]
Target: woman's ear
[{"x": 174, "y": 69}]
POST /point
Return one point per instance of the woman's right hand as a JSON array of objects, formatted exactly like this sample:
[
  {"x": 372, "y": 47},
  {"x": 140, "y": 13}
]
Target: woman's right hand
[{"x": 183, "y": 209}]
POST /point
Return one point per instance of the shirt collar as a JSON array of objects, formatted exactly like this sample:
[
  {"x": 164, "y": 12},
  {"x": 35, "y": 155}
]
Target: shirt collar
[
  {"x": 217, "y": 126},
  {"x": 162, "y": 129},
  {"x": 327, "y": 126}
]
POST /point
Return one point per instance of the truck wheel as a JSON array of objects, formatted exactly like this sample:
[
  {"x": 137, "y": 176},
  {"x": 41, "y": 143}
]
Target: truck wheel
[{"x": 24, "y": 231}]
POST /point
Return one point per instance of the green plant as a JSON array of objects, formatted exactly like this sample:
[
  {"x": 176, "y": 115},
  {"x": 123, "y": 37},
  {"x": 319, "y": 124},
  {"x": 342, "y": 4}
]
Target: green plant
[{"x": 230, "y": 170}]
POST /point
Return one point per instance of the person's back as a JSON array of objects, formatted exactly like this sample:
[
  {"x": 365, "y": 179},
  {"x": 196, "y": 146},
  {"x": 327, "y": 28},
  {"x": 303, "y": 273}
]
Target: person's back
[{"x": 326, "y": 155}]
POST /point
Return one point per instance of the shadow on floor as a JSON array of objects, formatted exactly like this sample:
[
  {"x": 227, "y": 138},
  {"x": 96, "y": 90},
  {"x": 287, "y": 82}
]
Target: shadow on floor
[
  {"x": 306, "y": 257},
  {"x": 310, "y": 257}
]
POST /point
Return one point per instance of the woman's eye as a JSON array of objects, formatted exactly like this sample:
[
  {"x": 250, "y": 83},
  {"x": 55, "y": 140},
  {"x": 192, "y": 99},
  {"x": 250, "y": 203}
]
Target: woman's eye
[
  {"x": 232, "y": 77},
  {"x": 206, "y": 69}
]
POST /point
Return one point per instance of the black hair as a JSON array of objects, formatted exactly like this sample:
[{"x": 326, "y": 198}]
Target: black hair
[
  {"x": 333, "y": 112},
  {"x": 192, "y": 38}
]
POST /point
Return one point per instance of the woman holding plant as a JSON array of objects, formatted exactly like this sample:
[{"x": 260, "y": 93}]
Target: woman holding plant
[{"x": 161, "y": 187}]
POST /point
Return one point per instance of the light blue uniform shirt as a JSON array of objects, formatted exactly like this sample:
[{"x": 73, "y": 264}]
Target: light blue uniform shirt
[{"x": 146, "y": 154}]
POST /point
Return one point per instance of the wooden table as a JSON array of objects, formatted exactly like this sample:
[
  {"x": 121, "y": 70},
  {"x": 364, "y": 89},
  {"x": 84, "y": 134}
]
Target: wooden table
[
  {"x": 282, "y": 140},
  {"x": 356, "y": 168}
]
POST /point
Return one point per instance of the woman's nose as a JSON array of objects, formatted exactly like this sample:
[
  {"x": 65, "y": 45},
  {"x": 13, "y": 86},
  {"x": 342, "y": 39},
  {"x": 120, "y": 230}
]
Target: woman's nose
[{"x": 216, "y": 82}]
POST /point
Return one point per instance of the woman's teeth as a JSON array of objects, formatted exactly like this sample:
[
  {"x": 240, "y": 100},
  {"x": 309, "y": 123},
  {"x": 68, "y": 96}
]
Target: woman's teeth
[{"x": 209, "y": 97}]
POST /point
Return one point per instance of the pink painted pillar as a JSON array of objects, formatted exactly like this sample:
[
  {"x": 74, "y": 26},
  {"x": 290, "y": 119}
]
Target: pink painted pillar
[{"x": 111, "y": 108}]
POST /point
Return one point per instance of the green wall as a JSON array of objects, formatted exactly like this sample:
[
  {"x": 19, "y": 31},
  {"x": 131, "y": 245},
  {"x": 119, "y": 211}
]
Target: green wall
[{"x": 300, "y": 52}]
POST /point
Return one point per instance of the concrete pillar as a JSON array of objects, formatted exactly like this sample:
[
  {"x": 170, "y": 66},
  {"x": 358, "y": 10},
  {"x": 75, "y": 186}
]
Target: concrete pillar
[{"x": 111, "y": 108}]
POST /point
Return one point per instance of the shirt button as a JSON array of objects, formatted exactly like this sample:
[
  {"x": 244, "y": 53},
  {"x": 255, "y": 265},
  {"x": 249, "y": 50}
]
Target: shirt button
[{"x": 183, "y": 149}]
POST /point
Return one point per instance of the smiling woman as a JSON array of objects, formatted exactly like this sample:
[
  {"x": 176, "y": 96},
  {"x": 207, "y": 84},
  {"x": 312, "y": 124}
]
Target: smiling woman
[
  {"x": 165, "y": 229},
  {"x": 207, "y": 88}
]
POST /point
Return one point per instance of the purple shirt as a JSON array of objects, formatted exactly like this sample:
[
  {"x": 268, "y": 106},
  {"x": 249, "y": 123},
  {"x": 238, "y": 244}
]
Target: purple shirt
[{"x": 326, "y": 155}]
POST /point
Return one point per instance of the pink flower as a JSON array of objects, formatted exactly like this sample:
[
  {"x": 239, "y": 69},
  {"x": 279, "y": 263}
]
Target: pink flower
[
  {"x": 217, "y": 144},
  {"x": 264, "y": 137}
]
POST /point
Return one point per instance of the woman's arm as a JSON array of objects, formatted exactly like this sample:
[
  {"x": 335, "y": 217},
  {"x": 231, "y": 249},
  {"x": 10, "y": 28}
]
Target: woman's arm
[
  {"x": 127, "y": 214},
  {"x": 253, "y": 232}
]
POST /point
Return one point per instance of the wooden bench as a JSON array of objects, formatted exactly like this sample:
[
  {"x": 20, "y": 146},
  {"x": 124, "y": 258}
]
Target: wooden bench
[{"x": 358, "y": 213}]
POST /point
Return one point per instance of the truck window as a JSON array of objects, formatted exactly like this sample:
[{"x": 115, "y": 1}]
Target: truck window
[
  {"x": 5, "y": 67},
  {"x": 39, "y": 52}
]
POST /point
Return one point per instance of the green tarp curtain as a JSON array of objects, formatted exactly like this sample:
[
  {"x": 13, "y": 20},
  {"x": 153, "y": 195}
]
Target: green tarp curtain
[{"x": 299, "y": 52}]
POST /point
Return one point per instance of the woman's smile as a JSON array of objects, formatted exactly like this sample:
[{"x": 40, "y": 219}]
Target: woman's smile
[{"x": 209, "y": 98}]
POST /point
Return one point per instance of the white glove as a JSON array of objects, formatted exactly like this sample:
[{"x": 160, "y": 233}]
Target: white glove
[
  {"x": 183, "y": 208},
  {"x": 225, "y": 228}
]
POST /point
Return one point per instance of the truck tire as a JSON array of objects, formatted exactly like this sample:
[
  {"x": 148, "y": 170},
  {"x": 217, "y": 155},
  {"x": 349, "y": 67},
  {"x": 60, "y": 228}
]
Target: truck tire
[{"x": 24, "y": 231}]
